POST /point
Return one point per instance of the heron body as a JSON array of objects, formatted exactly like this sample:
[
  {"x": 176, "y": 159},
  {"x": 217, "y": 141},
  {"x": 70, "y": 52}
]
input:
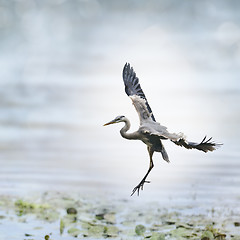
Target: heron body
[{"x": 151, "y": 132}]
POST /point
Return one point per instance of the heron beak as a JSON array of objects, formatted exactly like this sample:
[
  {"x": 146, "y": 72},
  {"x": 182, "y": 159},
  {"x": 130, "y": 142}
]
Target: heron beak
[{"x": 111, "y": 122}]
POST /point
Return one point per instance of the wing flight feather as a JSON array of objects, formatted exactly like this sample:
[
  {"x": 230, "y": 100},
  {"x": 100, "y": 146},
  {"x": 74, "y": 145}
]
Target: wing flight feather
[
  {"x": 135, "y": 92},
  {"x": 204, "y": 145}
]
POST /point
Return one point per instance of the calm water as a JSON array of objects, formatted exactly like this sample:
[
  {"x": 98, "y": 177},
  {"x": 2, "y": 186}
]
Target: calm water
[{"x": 61, "y": 81}]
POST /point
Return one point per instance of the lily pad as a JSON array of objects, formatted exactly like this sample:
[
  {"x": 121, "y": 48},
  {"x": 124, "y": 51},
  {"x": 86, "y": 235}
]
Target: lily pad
[
  {"x": 207, "y": 235},
  {"x": 99, "y": 216},
  {"x": 140, "y": 229},
  {"x": 96, "y": 231},
  {"x": 183, "y": 225},
  {"x": 111, "y": 231},
  {"x": 87, "y": 225},
  {"x": 110, "y": 218},
  {"x": 49, "y": 215},
  {"x": 71, "y": 211},
  {"x": 170, "y": 222},
  {"x": 237, "y": 224},
  {"x": 46, "y": 237},
  {"x": 181, "y": 233},
  {"x": 74, "y": 232},
  {"x": 157, "y": 236}
]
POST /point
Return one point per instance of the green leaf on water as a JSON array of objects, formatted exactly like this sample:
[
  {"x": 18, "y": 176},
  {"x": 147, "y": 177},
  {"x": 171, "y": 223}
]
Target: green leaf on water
[
  {"x": 46, "y": 237},
  {"x": 62, "y": 226},
  {"x": 87, "y": 225},
  {"x": 96, "y": 231},
  {"x": 74, "y": 232},
  {"x": 157, "y": 236},
  {"x": 111, "y": 231},
  {"x": 99, "y": 216},
  {"x": 184, "y": 225},
  {"x": 51, "y": 216},
  {"x": 181, "y": 232},
  {"x": 110, "y": 218},
  {"x": 28, "y": 235},
  {"x": 140, "y": 229},
  {"x": 71, "y": 210},
  {"x": 208, "y": 235}
]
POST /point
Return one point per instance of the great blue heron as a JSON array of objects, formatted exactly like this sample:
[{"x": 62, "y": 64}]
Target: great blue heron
[{"x": 151, "y": 132}]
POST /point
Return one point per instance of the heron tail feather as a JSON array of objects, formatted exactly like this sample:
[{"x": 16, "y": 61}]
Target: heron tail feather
[{"x": 164, "y": 154}]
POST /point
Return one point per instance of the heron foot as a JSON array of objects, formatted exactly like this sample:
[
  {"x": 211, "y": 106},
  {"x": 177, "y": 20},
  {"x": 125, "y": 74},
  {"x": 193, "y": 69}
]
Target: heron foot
[{"x": 139, "y": 187}]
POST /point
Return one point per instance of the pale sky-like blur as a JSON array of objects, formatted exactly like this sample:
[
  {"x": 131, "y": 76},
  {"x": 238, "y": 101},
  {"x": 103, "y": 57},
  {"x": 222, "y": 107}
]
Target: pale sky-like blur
[
  {"x": 95, "y": 37},
  {"x": 60, "y": 81}
]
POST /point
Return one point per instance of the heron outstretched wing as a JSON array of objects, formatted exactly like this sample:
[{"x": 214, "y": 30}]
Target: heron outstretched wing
[{"x": 135, "y": 92}]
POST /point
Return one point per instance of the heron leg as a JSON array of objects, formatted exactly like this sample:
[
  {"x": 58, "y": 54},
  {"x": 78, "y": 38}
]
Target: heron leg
[{"x": 151, "y": 165}]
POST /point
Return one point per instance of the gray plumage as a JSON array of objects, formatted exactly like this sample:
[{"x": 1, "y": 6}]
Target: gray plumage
[{"x": 151, "y": 132}]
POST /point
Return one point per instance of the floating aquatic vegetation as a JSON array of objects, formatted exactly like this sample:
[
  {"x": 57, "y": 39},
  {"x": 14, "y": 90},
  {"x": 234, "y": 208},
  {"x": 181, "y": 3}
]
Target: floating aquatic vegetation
[
  {"x": 90, "y": 219},
  {"x": 47, "y": 237},
  {"x": 62, "y": 226},
  {"x": 181, "y": 232},
  {"x": 23, "y": 207},
  {"x": 74, "y": 231},
  {"x": 237, "y": 224},
  {"x": 140, "y": 229},
  {"x": 156, "y": 236},
  {"x": 96, "y": 231},
  {"x": 213, "y": 233},
  {"x": 110, "y": 218},
  {"x": 111, "y": 231},
  {"x": 71, "y": 210}
]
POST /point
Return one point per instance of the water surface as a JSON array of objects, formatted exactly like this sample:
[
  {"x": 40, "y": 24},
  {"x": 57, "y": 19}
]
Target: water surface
[{"x": 61, "y": 81}]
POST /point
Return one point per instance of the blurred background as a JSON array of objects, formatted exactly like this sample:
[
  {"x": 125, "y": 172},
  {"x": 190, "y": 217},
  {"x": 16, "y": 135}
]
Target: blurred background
[{"x": 61, "y": 67}]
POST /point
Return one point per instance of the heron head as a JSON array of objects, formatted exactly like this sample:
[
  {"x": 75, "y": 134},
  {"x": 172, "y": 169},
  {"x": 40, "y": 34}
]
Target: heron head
[{"x": 115, "y": 120}]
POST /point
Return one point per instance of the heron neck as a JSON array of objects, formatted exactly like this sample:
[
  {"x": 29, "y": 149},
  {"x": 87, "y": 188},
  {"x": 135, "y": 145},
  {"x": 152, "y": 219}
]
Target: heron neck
[{"x": 124, "y": 130}]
